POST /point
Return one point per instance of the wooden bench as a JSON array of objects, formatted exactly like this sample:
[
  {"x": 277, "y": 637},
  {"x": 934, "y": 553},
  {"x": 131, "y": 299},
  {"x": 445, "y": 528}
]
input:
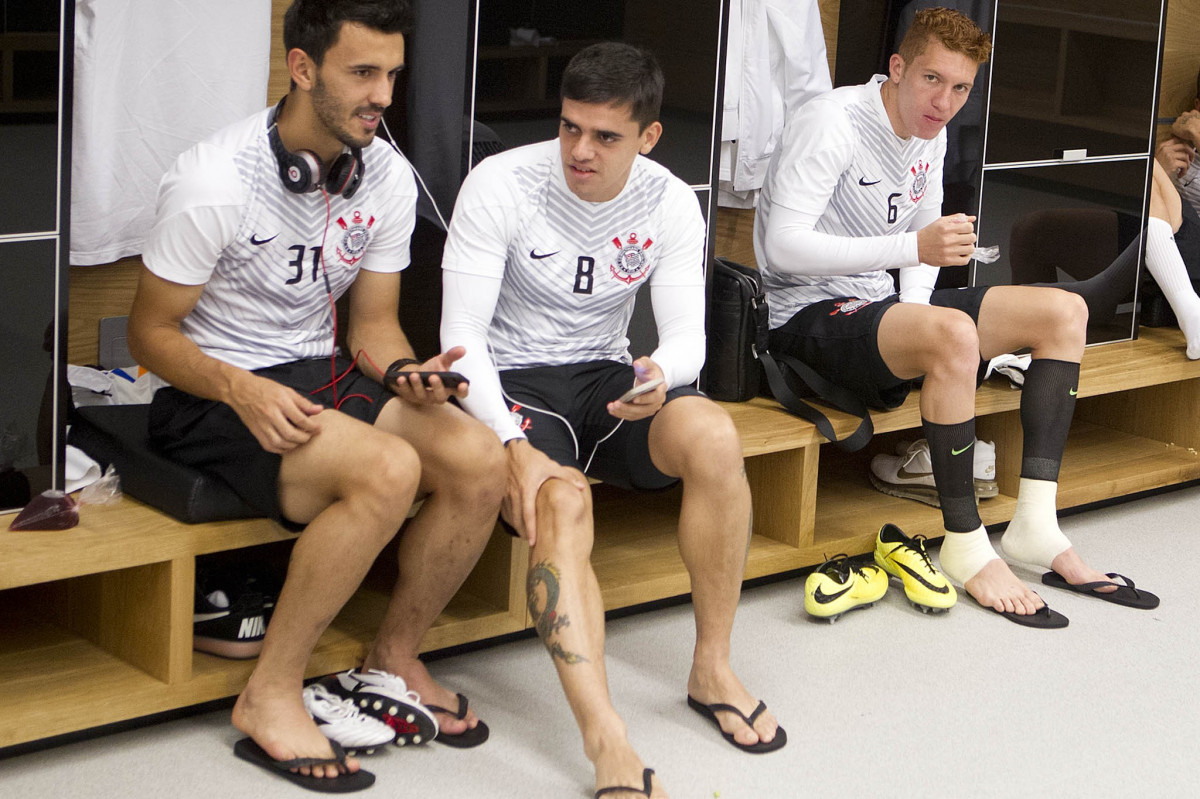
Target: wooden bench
[{"x": 95, "y": 622}]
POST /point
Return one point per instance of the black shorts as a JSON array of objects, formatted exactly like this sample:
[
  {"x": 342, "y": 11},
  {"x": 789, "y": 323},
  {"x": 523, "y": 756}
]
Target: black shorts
[
  {"x": 839, "y": 339},
  {"x": 564, "y": 415},
  {"x": 209, "y": 436}
]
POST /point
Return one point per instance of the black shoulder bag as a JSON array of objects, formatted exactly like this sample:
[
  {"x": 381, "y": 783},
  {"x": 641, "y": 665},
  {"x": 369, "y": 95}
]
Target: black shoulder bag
[{"x": 738, "y": 359}]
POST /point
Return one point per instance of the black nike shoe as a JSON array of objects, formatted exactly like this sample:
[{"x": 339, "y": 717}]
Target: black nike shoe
[{"x": 231, "y": 627}]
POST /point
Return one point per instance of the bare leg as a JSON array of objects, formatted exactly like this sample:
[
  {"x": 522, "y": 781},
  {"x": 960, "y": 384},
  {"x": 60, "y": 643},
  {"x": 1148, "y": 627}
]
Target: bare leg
[
  {"x": 568, "y": 613},
  {"x": 463, "y": 481},
  {"x": 695, "y": 439},
  {"x": 353, "y": 485},
  {"x": 943, "y": 344}
]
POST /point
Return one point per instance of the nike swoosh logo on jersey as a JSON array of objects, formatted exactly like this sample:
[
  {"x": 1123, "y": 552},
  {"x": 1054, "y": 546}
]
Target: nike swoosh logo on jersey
[
  {"x": 823, "y": 598},
  {"x": 257, "y": 241},
  {"x": 865, "y": 182},
  {"x": 539, "y": 256}
]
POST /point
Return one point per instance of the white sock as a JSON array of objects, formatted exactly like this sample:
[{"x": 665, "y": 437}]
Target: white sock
[
  {"x": 963, "y": 555},
  {"x": 1166, "y": 265},
  {"x": 1033, "y": 535}
]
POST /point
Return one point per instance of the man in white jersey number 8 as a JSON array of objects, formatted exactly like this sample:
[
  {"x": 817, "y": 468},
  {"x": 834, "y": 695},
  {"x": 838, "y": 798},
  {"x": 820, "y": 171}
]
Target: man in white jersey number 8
[{"x": 547, "y": 248}]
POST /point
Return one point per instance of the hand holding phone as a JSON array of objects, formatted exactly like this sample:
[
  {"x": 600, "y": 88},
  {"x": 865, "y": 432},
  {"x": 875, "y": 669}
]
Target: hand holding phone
[
  {"x": 451, "y": 380},
  {"x": 640, "y": 389}
]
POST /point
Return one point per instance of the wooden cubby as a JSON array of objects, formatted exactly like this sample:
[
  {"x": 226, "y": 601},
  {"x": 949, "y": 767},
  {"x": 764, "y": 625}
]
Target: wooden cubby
[{"x": 95, "y": 621}]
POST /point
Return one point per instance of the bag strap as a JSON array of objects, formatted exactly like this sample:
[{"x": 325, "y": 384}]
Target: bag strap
[{"x": 840, "y": 398}]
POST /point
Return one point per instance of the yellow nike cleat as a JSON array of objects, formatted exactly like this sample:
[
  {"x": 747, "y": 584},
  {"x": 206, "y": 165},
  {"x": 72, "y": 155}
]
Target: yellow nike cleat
[
  {"x": 839, "y": 585},
  {"x": 906, "y": 558}
]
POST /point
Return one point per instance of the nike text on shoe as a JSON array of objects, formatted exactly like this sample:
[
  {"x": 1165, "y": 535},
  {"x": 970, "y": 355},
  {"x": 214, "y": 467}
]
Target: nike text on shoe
[
  {"x": 909, "y": 473},
  {"x": 906, "y": 558},
  {"x": 228, "y": 629},
  {"x": 386, "y": 697},
  {"x": 339, "y": 720},
  {"x": 839, "y": 585}
]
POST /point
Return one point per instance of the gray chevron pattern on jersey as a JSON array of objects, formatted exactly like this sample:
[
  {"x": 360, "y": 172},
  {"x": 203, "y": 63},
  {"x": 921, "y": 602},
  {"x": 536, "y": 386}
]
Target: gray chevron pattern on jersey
[
  {"x": 539, "y": 319},
  {"x": 858, "y": 210},
  {"x": 250, "y": 281}
]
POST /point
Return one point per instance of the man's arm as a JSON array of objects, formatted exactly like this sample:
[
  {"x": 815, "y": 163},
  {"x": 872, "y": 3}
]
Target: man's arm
[
  {"x": 374, "y": 335},
  {"x": 280, "y": 418}
]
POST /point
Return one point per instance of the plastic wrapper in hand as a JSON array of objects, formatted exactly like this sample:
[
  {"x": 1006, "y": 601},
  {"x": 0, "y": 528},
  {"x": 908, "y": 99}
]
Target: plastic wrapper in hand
[
  {"x": 104, "y": 491},
  {"x": 987, "y": 255}
]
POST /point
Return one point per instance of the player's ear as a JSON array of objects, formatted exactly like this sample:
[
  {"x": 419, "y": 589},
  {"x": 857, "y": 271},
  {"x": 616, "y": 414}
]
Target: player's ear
[
  {"x": 301, "y": 68},
  {"x": 895, "y": 67},
  {"x": 650, "y": 137}
]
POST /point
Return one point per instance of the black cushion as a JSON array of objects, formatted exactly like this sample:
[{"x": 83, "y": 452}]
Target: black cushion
[{"x": 117, "y": 435}]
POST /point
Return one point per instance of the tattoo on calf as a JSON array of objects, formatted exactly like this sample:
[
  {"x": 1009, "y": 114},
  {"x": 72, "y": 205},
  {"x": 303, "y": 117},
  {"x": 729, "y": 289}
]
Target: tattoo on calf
[{"x": 543, "y": 607}]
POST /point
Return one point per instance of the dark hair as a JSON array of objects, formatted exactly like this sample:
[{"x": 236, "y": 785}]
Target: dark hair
[
  {"x": 615, "y": 73},
  {"x": 313, "y": 25}
]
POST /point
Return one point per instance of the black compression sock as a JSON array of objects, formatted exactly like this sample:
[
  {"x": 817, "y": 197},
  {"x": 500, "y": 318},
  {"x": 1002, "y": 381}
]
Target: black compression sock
[
  {"x": 952, "y": 452},
  {"x": 1047, "y": 405}
]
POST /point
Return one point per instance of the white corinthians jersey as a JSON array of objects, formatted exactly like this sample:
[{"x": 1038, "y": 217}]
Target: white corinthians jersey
[
  {"x": 842, "y": 164},
  {"x": 570, "y": 269},
  {"x": 225, "y": 221}
]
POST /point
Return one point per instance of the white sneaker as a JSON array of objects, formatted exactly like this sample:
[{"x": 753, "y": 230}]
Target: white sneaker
[
  {"x": 340, "y": 721},
  {"x": 385, "y": 696},
  {"x": 909, "y": 473}
]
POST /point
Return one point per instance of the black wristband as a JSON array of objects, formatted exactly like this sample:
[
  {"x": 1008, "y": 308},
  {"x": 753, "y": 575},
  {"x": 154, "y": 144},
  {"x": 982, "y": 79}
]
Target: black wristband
[{"x": 391, "y": 375}]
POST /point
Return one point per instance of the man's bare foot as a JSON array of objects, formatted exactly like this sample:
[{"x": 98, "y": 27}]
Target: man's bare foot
[
  {"x": 617, "y": 764},
  {"x": 418, "y": 679},
  {"x": 278, "y": 722},
  {"x": 1076, "y": 572},
  {"x": 996, "y": 587},
  {"x": 720, "y": 685}
]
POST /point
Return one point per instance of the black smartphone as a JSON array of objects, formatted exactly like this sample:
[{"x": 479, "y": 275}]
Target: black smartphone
[{"x": 450, "y": 380}]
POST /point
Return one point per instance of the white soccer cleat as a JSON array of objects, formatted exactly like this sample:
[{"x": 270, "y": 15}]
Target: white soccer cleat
[{"x": 339, "y": 720}]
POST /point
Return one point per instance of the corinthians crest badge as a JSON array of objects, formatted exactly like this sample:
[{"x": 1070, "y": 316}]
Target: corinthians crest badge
[
  {"x": 354, "y": 238},
  {"x": 632, "y": 264},
  {"x": 920, "y": 179}
]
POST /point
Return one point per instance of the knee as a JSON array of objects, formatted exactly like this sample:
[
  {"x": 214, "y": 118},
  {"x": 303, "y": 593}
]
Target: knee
[
  {"x": 955, "y": 345},
  {"x": 1070, "y": 315},
  {"x": 481, "y": 467},
  {"x": 387, "y": 481},
  {"x": 713, "y": 449},
  {"x": 564, "y": 521}
]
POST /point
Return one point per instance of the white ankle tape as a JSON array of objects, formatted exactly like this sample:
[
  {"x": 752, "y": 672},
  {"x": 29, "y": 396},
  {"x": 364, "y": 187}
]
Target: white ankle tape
[
  {"x": 964, "y": 555},
  {"x": 1033, "y": 535}
]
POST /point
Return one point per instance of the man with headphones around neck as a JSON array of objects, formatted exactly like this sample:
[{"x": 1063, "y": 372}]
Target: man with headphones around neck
[
  {"x": 259, "y": 229},
  {"x": 547, "y": 248}
]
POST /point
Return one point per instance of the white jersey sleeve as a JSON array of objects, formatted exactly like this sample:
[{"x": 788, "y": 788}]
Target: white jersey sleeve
[
  {"x": 677, "y": 292},
  {"x": 484, "y": 222},
  {"x": 917, "y": 282},
  {"x": 816, "y": 155},
  {"x": 200, "y": 202}
]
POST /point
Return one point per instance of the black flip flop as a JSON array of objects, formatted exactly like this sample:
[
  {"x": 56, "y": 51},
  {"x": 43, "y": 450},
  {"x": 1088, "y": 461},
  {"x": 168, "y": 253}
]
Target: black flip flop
[
  {"x": 348, "y": 782},
  {"x": 762, "y": 747},
  {"x": 466, "y": 739},
  {"x": 1043, "y": 618},
  {"x": 1126, "y": 595},
  {"x": 647, "y": 788}
]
